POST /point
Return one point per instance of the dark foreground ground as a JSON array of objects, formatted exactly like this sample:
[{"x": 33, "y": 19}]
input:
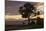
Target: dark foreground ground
[
  {"x": 33, "y": 26},
  {"x": 22, "y": 27}
]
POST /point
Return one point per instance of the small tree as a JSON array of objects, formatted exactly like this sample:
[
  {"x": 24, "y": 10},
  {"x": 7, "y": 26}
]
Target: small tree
[
  {"x": 38, "y": 18},
  {"x": 26, "y": 11}
]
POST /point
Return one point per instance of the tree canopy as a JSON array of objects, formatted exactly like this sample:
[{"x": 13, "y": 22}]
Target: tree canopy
[{"x": 26, "y": 10}]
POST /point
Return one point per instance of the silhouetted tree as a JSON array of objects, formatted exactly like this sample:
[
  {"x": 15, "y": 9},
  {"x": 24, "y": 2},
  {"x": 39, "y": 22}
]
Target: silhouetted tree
[
  {"x": 38, "y": 18},
  {"x": 26, "y": 11}
]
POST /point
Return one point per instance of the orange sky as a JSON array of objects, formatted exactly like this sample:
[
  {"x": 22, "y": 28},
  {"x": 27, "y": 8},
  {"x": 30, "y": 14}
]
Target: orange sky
[{"x": 17, "y": 17}]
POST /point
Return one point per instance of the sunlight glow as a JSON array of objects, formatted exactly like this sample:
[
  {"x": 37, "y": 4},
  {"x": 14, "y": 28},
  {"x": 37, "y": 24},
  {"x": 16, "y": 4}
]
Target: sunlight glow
[{"x": 17, "y": 17}]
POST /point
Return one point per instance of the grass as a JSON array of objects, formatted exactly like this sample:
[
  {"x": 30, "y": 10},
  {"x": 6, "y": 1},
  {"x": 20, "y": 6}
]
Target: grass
[{"x": 33, "y": 26}]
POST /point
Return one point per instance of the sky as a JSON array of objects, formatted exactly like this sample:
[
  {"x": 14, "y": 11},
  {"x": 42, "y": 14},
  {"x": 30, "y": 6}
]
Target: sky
[
  {"x": 12, "y": 9},
  {"x": 28, "y": 0}
]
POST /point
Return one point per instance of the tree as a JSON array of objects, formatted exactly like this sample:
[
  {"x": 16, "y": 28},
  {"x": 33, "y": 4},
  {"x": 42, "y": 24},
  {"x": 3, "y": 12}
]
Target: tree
[
  {"x": 26, "y": 11},
  {"x": 38, "y": 18}
]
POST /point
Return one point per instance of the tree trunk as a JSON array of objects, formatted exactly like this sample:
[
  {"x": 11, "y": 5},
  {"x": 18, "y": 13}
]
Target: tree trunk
[{"x": 29, "y": 20}]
